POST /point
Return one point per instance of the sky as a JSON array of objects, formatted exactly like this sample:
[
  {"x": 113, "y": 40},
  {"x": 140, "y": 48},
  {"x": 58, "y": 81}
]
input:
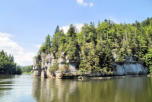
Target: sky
[{"x": 24, "y": 24}]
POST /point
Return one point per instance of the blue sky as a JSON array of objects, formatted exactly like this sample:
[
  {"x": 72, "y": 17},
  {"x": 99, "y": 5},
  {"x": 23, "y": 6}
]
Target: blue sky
[{"x": 27, "y": 22}]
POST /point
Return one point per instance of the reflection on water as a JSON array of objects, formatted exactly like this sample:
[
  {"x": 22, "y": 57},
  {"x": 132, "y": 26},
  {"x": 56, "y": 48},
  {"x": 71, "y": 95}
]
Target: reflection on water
[
  {"x": 48, "y": 90},
  {"x": 5, "y": 85},
  {"x": 16, "y": 88},
  {"x": 25, "y": 88},
  {"x": 130, "y": 89}
]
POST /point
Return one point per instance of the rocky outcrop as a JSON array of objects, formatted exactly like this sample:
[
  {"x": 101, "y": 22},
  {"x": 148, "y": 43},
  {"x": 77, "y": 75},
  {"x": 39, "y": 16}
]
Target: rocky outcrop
[
  {"x": 130, "y": 67},
  {"x": 36, "y": 69},
  {"x": 65, "y": 67},
  {"x": 48, "y": 66}
]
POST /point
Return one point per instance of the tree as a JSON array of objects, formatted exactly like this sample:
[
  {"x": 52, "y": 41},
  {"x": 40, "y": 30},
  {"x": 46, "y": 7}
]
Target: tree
[
  {"x": 7, "y": 64},
  {"x": 98, "y": 49},
  {"x": 58, "y": 42},
  {"x": 57, "y": 29},
  {"x": 72, "y": 47},
  {"x": 46, "y": 47},
  {"x": 148, "y": 60}
]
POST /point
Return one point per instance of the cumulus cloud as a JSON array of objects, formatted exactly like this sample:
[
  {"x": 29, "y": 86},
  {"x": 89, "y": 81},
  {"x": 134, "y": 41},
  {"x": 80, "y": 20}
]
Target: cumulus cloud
[
  {"x": 11, "y": 47},
  {"x": 84, "y": 3},
  {"x": 77, "y": 26}
]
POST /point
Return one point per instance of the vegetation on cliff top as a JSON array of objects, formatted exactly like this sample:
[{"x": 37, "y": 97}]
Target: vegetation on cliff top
[{"x": 96, "y": 49}]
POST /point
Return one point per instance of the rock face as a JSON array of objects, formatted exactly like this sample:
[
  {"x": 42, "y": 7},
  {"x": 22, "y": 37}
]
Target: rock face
[
  {"x": 37, "y": 70},
  {"x": 65, "y": 68},
  {"x": 72, "y": 68},
  {"x": 130, "y": 67}
]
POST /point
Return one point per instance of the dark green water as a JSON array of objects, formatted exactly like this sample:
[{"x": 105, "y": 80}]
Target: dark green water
[{"x": 25, "y": 88}]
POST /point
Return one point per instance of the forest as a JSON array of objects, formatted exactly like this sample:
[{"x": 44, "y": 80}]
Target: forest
[
  {"x": 98, "y": 47},
  {"x": 7, "y": 64}
]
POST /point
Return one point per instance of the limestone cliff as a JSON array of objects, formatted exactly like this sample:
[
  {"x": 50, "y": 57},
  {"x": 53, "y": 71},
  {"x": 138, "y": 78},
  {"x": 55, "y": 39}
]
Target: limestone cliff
[
  {"x": 46, "y": 65},
  {"x": 49, "y": 66},
  {"x": 130, "y": 67}
]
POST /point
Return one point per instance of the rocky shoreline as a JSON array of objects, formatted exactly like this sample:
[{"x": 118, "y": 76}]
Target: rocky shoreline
[{"x": 68, "y": 70}]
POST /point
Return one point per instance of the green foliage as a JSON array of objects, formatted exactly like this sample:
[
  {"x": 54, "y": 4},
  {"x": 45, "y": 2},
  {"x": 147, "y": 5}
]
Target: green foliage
[
  {"x": 18, "y": 70},
  {"x": 46, "y": 47},
  {"x": 96, "y": 49},
  {"x": 27, "y": 69},
  {"x": 89, "y": 33},
  {"x": 54, "y": 68},
  {"x": 7, "y": 64},
  {"x": 148, "y": 60},
  {"x": 72, "y": 47},
  {"x": 58, "y": 42}
]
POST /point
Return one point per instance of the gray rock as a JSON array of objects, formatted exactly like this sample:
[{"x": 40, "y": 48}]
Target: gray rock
[
  {"x": 72, "y": 68},
  {"x": 130, "y": 69}
]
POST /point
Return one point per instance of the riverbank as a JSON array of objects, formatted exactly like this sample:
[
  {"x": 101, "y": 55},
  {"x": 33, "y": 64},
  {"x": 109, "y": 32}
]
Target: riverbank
[
  {"x": 27, "y": 73},
  {"x": 93, "y": 76}
]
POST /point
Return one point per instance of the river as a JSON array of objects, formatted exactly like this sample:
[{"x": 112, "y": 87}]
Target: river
[{"x": 25, "y": 88}]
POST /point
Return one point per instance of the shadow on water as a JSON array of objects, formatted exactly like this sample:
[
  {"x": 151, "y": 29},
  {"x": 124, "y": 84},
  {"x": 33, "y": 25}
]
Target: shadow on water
[{"x": 129, "y": 89}]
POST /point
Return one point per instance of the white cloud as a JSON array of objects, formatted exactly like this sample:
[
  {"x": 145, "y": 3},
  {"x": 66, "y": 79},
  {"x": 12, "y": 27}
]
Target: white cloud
[
  {"x": 77, "y": 26},
  {"x": 11, "y": 47},
  {"x": 65, "y": 28},
  {"x": 37, "y": 45},
  {"x": 84, "y": 3}
]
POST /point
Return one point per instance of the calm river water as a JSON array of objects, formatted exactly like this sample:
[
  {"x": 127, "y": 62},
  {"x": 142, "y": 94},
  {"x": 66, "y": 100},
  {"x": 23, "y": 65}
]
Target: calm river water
[{"x": 25, "y": 88}]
